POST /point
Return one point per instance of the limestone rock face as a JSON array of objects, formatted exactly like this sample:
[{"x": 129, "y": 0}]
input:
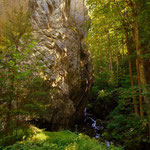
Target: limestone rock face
[{"x": 60, "y": 28}]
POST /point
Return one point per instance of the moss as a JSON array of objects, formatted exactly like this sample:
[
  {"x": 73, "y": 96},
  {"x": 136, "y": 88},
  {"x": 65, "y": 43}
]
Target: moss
[{"x": 63, "y": 140}]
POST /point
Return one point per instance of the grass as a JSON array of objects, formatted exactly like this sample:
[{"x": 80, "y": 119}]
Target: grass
[{"x": 63, "y": 140}]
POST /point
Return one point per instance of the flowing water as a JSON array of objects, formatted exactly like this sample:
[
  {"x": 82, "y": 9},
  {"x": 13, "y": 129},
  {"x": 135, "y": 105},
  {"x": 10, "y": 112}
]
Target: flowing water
[{"x": 94, "y": 125}]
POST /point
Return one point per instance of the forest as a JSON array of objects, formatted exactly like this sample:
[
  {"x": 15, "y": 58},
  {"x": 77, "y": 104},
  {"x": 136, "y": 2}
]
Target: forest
[{"x": 75, "y": 74}]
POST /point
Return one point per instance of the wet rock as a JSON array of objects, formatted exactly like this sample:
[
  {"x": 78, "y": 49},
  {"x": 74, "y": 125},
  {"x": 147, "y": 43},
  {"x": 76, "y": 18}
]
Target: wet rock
[{"x": 90, "y": 132}]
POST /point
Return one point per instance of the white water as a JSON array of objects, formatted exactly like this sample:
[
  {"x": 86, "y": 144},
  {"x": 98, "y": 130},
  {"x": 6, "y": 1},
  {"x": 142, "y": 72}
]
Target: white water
[
  {"x": 85, "y": 114},
  {"x": 95, "y": 127}
]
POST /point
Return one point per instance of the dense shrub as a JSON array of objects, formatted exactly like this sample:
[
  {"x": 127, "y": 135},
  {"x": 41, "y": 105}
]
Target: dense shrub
[{"x": 64, "y": 140}]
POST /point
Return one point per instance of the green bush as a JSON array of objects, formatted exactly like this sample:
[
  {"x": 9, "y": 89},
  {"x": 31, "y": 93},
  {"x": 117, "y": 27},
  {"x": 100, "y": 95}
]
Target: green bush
[
  {"x": 64, "y": 140},
  {"x": 21, "y": 90}
]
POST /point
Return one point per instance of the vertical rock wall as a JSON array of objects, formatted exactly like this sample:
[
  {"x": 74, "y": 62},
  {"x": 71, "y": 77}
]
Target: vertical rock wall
[{"x": 60, "y": 28}]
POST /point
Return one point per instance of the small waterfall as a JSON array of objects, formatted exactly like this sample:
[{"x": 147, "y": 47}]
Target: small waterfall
[
  {"x": 95, "y": 127},
  {"x": 85, "y": 114},
  {"x": 108, "y": 143}
]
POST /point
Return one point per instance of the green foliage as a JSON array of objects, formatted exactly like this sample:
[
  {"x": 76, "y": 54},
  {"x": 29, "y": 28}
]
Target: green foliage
[
  {"x": 122, "y": 125},
  {"x": 23, "y": 132},
  {"x": 64, "y": 140},
  {"x": 112, "y": 90},
  {"x": 116, "y": 103},
  {"x": 125, "y": 128},
  {"x": 21, "y": 90}
]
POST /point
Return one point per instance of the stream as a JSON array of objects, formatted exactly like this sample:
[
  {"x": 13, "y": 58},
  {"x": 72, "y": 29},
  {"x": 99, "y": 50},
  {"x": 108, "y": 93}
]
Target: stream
[
  {"x": 94, "y": 125},
  {"x": 89, "y": 120}
]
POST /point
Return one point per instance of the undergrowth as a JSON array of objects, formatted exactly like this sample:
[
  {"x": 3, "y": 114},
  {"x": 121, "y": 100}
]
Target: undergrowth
[{"x": 63, "y": 140}]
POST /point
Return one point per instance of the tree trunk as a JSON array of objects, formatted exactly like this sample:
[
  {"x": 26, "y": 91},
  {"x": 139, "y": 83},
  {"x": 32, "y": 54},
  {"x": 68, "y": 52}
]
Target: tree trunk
[
  {"x": 110, "y": 61},
  {"x": 123, "y": 53},
  {"x": 140, "y": 92},
  {"x": 131, "y": 74},
  {"x": 117, "y": 63},
  {"x": 110, "y": 54},
  {"x": 140, "y": 60}
]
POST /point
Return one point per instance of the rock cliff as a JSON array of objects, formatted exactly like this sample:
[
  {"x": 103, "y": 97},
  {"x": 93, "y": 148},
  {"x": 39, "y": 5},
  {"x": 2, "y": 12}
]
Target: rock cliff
[{"x": 60, "y": 28}]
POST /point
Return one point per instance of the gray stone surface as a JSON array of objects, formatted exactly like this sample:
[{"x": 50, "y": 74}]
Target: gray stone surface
[{"x": 60, "y": 28}]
